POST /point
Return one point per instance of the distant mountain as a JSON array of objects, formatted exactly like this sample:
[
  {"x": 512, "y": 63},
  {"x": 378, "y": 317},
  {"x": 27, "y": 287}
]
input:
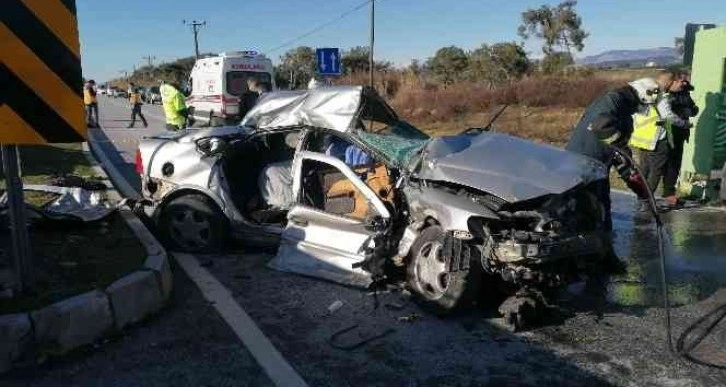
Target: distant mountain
[{"x": 632, "y": 58}]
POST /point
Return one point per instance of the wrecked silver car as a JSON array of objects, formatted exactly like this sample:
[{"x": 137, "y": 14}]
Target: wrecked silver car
[{"x": 353, "y": 194}]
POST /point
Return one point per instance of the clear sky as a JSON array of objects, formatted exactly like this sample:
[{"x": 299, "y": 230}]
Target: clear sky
[{"x": 117, "y": 34}]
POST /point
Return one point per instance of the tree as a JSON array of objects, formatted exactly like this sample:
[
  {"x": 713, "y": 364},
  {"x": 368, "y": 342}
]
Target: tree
[
  {"x": 556, "y": 62},
  {"x": 298, "y": 65},
  {"x": 356, "y": 60},
  {"x": 499, "y": 63},
  {"x": 449, "y": 64},
  {"x": 560, "y": 27}
]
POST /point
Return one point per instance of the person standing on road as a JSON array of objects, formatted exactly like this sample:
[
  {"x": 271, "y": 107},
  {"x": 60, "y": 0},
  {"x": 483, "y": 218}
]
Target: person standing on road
[
  {"x": 606, "y": 125},
  {"x": 175, "y": 108},
  {"x": 248, "y": 99},
  {"x": 684, "y": 107},
  {"x": 135, "y": 100},
  {"x": 91, "y": 101},
  {"x": 653, "y": 133}
]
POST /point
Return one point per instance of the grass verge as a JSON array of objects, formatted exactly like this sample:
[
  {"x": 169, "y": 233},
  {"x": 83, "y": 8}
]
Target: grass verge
[{"x": 68, "y": 259}]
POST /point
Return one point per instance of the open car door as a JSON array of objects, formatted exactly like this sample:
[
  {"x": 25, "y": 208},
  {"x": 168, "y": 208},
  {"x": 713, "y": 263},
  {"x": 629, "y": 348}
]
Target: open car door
[{"x": 328, "y": 228}]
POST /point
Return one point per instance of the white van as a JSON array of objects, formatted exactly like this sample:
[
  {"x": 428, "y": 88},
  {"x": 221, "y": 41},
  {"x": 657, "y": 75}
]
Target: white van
[{"x": 217, "y": 82}]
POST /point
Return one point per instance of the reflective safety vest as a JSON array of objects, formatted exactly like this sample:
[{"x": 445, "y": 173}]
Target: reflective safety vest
[
  {"x": 135, "y": 98},
  {"x": 173, "y": 101},
  {"x": 645, "y": 129},
  {"x": 88, "y": 98}
]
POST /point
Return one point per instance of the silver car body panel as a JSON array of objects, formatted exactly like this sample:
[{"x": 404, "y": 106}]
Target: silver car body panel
[
  {"x": 190, "y": 166},
  {"x": 322, "y": 245},
  {"x": 511, "y": 168},
  {"x": 451, "y": 211},
  {"x": 335, "y": 108}
]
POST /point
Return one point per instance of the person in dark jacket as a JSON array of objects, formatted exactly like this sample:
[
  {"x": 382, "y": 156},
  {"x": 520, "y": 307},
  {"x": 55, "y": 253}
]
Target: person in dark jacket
[
  {"x": 608, "y": 123},
  {"x": 248, "y": 99},
  {"x": 684, "y": 107}
]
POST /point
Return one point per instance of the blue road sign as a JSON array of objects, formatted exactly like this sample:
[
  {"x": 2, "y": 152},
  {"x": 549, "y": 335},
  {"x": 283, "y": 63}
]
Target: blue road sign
[{"x": 328, "y": 61}]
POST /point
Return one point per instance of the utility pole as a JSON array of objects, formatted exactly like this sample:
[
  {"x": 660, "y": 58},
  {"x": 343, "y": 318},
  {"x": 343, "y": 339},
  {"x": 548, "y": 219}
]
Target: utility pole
[
  {"x": 18, "y": 223},
  {"x": 149, "y": 60},
  {"x": 195, "y": 28},
  {"x": 370, "y": 54}
]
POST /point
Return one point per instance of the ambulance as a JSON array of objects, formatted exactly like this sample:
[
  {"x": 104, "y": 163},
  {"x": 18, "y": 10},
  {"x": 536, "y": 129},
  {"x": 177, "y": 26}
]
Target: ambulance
[{"x": 217, "y": 82}]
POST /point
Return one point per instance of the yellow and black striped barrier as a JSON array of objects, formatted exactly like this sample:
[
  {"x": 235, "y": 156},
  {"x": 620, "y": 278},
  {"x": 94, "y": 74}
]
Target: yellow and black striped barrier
[{"x": 41, "y": 97}]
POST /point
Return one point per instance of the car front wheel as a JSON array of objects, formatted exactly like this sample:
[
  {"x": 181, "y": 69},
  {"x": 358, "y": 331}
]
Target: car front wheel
[
  {"x": 194, "y": 224},
  {"x": 439, "y": 289}
]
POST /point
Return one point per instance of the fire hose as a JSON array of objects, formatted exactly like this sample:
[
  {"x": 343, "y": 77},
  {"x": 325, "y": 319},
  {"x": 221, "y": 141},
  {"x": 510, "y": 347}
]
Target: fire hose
[{"x": 633, "y": 176}]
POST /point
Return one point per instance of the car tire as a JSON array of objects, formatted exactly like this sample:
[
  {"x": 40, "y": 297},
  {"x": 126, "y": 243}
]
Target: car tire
[
  {"x": 193, "y": 224},
  {"x": 443, "y": 292}
]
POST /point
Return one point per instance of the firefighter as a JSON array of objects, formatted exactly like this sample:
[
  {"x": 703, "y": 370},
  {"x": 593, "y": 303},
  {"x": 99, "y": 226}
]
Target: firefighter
[
  {"x": 608, "y": 123},
  {"x": 91, "y": 102},
  {"x": 135, "y": 100},
  {"x": 175, "y": 108}
]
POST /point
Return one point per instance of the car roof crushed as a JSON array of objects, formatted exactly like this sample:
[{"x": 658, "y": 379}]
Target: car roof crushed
[{"x": 337, "y": 108}]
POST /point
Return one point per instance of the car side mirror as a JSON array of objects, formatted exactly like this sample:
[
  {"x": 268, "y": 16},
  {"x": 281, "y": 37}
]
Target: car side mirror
[{"x": 211, "y": 146}]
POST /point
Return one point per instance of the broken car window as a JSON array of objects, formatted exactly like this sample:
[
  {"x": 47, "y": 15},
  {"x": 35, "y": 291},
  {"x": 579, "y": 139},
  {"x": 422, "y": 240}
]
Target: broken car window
[{"x": 397, "y": 142}]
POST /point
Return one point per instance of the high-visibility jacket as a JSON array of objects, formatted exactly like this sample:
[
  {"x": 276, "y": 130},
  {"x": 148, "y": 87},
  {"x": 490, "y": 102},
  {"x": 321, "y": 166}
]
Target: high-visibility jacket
[
  {"x": 135, "y": 97},
  {"x": 646, "y": 131},
  {"x": 89, "y": 95},
  {"x": 174, "y": 105}
]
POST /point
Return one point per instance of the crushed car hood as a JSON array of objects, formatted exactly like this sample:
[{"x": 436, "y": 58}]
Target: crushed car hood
[{"x": 511, "y": 168}]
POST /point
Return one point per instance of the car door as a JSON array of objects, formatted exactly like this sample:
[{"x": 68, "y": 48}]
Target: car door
[{"x": 326, "y": 241}]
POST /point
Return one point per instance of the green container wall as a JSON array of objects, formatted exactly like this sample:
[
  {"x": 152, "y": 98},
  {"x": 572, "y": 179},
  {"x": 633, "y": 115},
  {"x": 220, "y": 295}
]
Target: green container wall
[{"x": 706, "y": 149}]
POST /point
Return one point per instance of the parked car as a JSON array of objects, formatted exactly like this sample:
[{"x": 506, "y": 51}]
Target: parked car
[
  {"x": 152, "y": 95},
  {"x": 353, "y": 194},
  {"x": 121, "y": 93}
]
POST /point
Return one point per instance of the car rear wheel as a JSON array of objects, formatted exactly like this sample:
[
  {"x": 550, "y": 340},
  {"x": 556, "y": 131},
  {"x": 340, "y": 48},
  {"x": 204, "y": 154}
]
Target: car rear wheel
[
  {"x": 194, "y": 224},
  {"x": 437, "y": 288}
]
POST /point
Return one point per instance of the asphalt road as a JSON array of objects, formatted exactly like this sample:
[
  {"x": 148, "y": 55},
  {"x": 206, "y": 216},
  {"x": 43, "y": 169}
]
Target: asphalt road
[
  {"x": 611, "y": 337},
  {"x": 118, "y": 141}
]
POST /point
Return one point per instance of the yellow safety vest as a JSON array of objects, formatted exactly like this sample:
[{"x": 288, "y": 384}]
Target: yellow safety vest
[
  {"x": 645, "y": 129},
  {"x": 173, "y": 101},
  {"x": 135, "y": 98},
  {"x": 88, "y": 98}
]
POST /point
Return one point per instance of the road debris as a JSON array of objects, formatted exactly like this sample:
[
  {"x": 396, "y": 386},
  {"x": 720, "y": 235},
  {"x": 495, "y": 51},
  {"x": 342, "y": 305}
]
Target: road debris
[
  {"x": 74, "y": 204},
  {"x": 363, "y": 339},
  {"x": 337, "y": 304},
  {"x": 409, "y": 318}
]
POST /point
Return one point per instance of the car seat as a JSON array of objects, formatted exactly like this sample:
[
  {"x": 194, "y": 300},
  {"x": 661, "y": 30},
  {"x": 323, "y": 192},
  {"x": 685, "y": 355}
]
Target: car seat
[{"x": 343, "y": 198}]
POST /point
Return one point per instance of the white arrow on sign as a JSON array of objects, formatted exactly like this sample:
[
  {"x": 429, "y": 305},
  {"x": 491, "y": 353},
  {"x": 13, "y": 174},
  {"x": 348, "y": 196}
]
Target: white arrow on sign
[
  {"x": 323, "y": 66},
  {"x": 334, "y": 62}
]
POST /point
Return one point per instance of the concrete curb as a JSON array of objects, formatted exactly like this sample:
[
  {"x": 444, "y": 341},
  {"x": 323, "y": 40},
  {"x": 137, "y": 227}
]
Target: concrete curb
[{"x": 85, "y": 318}]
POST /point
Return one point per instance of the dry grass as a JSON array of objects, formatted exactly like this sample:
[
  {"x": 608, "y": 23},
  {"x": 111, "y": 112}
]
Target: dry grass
[{"x": 543, "y": 125}]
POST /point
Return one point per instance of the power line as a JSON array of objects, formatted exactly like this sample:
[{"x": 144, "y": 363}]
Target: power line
[
  {"x": 321, "y": 26},
  {"x": 195, "y": 28}
]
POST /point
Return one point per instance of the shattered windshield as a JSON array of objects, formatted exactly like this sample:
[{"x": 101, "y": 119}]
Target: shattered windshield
[{"x": 397, "y": 142}]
